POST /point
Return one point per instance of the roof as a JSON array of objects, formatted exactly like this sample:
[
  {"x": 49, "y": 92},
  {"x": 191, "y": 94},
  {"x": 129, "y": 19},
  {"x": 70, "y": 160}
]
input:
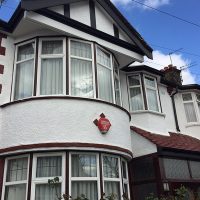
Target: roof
[
  {"x": 41, "y": 5},
  {"x": 173, "y": 141}
]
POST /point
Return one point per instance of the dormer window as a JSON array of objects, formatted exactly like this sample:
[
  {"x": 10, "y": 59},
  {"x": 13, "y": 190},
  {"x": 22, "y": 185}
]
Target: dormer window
[
  {"x": 191, "y": 103},
  {"x": 61, "y": 66},
  {"x": 143, "y": 93}
]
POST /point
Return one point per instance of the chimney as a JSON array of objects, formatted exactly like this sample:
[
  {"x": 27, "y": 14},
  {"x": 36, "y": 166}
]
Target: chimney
[{"x": 172, "y": 75}]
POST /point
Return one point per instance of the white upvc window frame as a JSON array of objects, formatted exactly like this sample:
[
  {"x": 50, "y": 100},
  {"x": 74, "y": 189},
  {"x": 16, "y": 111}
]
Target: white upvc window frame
[
  {"x": 125, "y": 180},
  {"x": 15, "y": 182},
  {"x": 44, "y": 180},
  {"x": 117, "y": 76},
  {"x": 41, "y": 56},
  {"x": 111, "y": 70},
  {"x": 135, "y": 86},
  {"x": 18, "y": 62},
  {"x": 81, "y": 58},
  {"x": 152, "y": 88},
  {"x": 194, "y": 101},
  {"x": 119, "y": 180},
  {"x": 97, "y": 179}
]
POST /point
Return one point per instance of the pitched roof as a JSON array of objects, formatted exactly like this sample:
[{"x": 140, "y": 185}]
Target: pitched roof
[{"x": 173, "y": 141}]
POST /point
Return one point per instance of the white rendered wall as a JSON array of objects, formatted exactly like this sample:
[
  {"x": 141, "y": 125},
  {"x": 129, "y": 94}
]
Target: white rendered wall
[
  {"x": 80, "y": 12},
  {"x": 192, "y": 129},
  {"x": 141, "y": 146},
  {"x": 62, "y": 120},
  {"x": 7, "y": 61},
  {"x": 58, "y": 9}
]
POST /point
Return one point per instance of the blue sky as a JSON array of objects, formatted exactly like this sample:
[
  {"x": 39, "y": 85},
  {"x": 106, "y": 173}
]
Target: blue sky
[{"x": 159, "y": 29}]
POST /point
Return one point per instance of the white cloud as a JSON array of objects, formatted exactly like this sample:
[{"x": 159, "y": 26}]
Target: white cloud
[
  {"x": 162, "y": 60},
  {"x": 152, "y": 3}
]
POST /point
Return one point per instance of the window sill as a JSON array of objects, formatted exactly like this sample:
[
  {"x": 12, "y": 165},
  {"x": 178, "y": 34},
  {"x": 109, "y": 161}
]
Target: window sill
[
  {"x": 192, "y": 124},
  {"x": 149, "y": 112}
]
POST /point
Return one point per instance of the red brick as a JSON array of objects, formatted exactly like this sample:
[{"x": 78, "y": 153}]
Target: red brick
[{"x": 1, "y": 69}]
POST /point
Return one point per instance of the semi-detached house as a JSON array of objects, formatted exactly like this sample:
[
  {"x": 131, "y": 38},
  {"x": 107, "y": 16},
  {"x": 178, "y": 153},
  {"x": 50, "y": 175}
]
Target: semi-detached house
[{"x": 72, "y": 107}]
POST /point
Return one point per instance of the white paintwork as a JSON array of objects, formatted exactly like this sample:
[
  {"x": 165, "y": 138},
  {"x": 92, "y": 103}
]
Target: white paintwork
[
  {"x": 58, "y": 9},
  {"x": 7, "y": 61},
  {"x": 141, "y": 146},
  {"x": 80, "y": 12},
  {"x": 62, "y": 120},
  {"x": 124, "y": 37}
]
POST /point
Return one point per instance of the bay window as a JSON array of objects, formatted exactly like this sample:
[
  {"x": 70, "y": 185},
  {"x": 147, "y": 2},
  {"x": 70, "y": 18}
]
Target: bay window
[
  {"x": 82, "y": 73},
  {"x": 24, "y": 70},
  {"x": 105, "y": 75},
  {"x": 191, "y": 102},
  {"x": 61, "y": 66},
  {"x": 143, "y": 93},
  {"x": 47, "y": 167},
  {"x": 51, "y": 67},
  {"x": 16, "y": 175}
]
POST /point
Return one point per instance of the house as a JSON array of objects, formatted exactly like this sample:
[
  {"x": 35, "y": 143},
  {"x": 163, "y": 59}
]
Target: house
[{"x": 72, "y": 107}]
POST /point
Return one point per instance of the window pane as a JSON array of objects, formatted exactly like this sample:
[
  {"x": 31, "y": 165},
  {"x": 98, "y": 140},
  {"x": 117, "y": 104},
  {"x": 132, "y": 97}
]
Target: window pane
[
  {"x": 190, "y": 112},
  {"x": 26, "y": 52},
  {"x": 15, "y": 192},
  {"x": 81, "y": 49},
  {"x": 46, "y": 192},
  {"x": 103, "y": 58},
  {"x": 105, "y": 83},
  {"x": 51, "y": 80},
  {"x": 152, "y": 100},
  {"x": 110, "y": 167},
  {"x": 136, "y": 99},
  {"x": 24, "y": 80},
  {"x": 52, "y": 47},
  {"x": 117, "y": 92},
  {"x": 17, "y": 169},
  {"x": 84, "y": 166},
  {"x": 82, "y": 78},
  {"x": 195, "y": 169},
  {"x": 187, "y": 97},
  {"x": 150, "y": 82},
  {"x": 86, "y": 188},
  {"x": 198, "y": 97},
  {"x": 49, "y": 166},
  {"x": 134, "y": 80},
  {"x": 176, "y": 169},
  {"x": 124, "y": 170},
  {"x": 126, "y": 190},
  {"x": 112, "y": 188}
]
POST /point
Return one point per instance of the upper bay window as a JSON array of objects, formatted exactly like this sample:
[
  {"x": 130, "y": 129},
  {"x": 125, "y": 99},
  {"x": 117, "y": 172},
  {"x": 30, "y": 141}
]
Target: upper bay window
[
  {"x": 143, "y": 93},
  {"x": 191, "y": 103},
  {"x": 57, "y": 66}
]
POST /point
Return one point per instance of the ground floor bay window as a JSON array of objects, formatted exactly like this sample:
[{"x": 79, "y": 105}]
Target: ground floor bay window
[
  {"x": 48, "y": 66},
  {"x": 79, "y": 174}
]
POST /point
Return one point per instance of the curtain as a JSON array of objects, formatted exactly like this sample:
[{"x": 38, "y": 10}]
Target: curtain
[
  {"x": 105, "y": 83},
  {"x": 15, "y": 192},
  {"x": 26, "y": 52},
  {"x": 24, "y": 80},
  {"x": 103, "y": 58},
  {"x": 49, "y": 166},
  {"x": 112, "y": 188},
  {"x": 17, "y": 170},
  {"x": 84, "y": 166},
  {"x": 195, "y": 166},
  {"x": 82, "y": 78},
  {"x": 110, "y": 167},
  {"x": 52, "y": 47},
  {"x": 46, "y": 192},
  {"x": 87, "y": 188},
  {"x": 81, "y": 49},
  {"x": 134, "y": 80},
  {"x": 136, "y": 99},
  {"x": 51, "y": 80},
  {"x": 190, "y": 112},
  {"x": 152, "y": 99}
]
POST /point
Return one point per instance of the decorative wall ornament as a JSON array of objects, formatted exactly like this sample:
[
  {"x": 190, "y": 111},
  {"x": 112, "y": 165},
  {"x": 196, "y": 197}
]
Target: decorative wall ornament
[{"x": 103, "y": 124}]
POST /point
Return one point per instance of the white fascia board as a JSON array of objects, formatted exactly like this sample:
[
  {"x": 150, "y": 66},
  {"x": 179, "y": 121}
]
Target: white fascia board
[{"x": 62, "y": 28}]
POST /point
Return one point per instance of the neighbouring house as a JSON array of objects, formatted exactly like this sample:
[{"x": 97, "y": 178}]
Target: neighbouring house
[{"x": 72, "y": 107}]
